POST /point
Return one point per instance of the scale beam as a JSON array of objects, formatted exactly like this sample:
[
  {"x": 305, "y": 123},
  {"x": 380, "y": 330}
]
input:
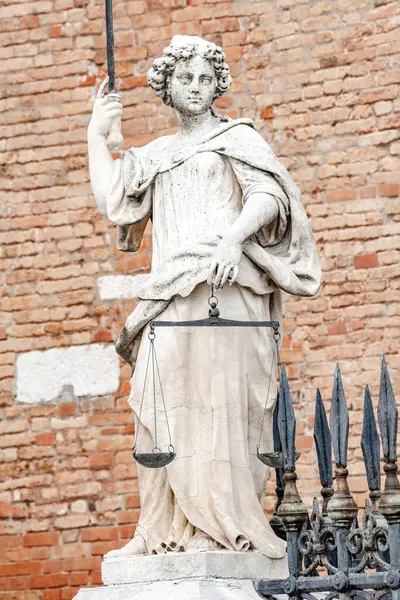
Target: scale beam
[{"x": 214, "y": 322}]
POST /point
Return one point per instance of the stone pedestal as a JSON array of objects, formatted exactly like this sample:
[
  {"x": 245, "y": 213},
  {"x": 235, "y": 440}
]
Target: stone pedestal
[{"x": 185, "y": 576}]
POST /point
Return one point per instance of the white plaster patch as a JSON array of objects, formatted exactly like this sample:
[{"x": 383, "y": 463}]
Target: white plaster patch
[
  {"x": 89, "y": 370},
  {"x": 114, "y": 287}
]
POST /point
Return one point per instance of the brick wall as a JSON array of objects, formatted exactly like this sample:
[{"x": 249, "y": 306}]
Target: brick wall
[{"x": 321, "y": 79}]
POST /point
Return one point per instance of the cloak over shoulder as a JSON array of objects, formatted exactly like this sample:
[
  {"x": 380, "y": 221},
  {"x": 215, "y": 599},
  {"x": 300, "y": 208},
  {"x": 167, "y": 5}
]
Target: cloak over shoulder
[{"x": 291, "y": 264}]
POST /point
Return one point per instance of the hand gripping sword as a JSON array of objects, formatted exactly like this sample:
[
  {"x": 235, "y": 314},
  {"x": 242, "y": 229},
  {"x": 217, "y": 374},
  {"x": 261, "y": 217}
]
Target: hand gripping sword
[{"x": 115, "y": 139}]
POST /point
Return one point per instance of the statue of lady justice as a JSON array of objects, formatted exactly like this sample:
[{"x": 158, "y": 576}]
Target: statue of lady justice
[{"x": 226, "y": 213}]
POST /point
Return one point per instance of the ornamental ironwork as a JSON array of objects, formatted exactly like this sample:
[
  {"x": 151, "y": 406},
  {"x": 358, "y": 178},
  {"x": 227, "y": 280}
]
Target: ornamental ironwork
[{"x": 330, "y": 551}]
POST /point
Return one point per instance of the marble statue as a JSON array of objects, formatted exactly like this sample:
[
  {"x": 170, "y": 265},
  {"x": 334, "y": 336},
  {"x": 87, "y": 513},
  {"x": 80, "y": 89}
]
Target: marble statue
[{"x": 224, "y": 211}]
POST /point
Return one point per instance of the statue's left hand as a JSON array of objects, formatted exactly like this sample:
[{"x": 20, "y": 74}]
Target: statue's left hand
[{"x": 225, "y": 263}]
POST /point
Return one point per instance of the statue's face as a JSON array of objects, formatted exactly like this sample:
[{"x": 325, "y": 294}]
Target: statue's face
[{"x": 193, "y": 85}]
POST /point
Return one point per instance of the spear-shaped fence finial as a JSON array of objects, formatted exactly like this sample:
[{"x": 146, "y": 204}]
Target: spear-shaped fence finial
[
  {"x": 276, "y": 522},
  {"x": 390, "y": 500},
  {"x": 292, "y": 511},
  {"x": 286, "y": 422},
  {"x": 371, "y": 450},
  {"x": 323, "y": 444},
  {"x": 341, "y": 508},
  {"x": 339, "y": 421},
  {"x": 387, "y": 416}
]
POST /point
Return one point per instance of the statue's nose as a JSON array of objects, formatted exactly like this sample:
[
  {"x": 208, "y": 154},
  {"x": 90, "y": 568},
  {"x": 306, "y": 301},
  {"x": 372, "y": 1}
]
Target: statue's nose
[{"x": 194, "y": 87}]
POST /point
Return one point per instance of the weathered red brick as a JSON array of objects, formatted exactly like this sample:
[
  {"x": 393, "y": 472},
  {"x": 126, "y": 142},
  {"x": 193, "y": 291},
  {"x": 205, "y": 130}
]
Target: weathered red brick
[
  {"x": 14, "y": 584},
  {"x": 79, "y": 579},
  {"x": 82, "y": 564},
  {"x": 67, "y": 409},
  {"x": 337, "y": 328},
  {"x": 95, "y": 577},
  {"x": 25, "y": 568},
  {"x": 93, "y": 534},
  {"x": 55, "y": 31},
  {"x": 45, "y": 439},
  {"x": 100, "y": 460},
  {"x": 389, "y": 190},
  {"x": 128, "y": 516},
  {"x": 51, "y": 595},
  {"x": 5, "y": 508},
  {"x": 53, "y": 580},
  {"x": 341, "y": 195},
  {"x": 68, "y": 593},
  {"x": 18, "y": 511},
  {"x": 44, "y": 538},
  {"x": 133, "y": 501},
  {"x": 366, "y": 261},
  {"x": 11, "y": 541},
  {"x": 102, "y": 335},
  {"x": 267, "y": 113}
]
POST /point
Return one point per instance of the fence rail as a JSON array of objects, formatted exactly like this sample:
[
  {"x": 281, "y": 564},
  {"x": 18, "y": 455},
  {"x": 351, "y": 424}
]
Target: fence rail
[{"x": 329, "y": 551}]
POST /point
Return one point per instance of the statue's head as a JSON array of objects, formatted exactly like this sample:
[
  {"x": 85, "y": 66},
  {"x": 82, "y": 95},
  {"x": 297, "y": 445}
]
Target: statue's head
[{"x": 190, "y": 75}]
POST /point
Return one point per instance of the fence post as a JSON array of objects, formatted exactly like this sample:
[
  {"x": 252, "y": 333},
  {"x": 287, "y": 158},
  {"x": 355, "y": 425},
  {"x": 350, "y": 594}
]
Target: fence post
[
  {"x": 292, "y": 511},
  {"x": 323, "y": 445},
  {"x": 341, "y": 508},
  {"x": 390, "y": 500},
  {"x": 370, "y": 445},
  {"x": 276, "y": 521}
]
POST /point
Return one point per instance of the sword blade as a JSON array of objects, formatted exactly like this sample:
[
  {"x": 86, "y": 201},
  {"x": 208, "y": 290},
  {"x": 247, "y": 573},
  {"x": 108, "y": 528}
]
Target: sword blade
[{"x": 110, "y": 46}]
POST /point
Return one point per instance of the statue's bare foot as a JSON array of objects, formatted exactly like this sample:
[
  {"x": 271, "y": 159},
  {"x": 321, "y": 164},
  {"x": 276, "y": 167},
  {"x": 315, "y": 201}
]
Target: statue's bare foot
[
  {"x": 201, "y": 542},
  {"x": 136, "y": 546}
]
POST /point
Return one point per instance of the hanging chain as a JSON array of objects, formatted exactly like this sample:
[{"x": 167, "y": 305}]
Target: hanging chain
[
  {"x": 143, "y": 391},
  {"x": 156, "y": 448},
  {"x": 276, "y": 337},
  {"x": 170, "y": 447},
  {"x": 154, "y": 365}
]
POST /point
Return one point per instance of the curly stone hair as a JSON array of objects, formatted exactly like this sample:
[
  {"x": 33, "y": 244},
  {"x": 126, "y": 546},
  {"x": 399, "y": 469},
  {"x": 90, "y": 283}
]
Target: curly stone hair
[{"x": 159, "y": 75}]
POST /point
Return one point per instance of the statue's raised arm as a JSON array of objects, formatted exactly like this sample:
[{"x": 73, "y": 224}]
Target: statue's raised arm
[{"x": 105, "y": 111}]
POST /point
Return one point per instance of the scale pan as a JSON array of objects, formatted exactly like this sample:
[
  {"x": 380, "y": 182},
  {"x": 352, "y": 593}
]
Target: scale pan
[
  {"x": 154, "y": 460},
  {"x": 273, "y": 459}
]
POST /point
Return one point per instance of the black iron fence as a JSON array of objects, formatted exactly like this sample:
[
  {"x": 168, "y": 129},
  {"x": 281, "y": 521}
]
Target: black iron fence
[{"x": 329, "y": 551}]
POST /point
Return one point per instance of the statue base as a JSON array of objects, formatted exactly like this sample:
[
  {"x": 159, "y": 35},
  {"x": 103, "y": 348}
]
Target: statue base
[{"x": 185, "y": 576}]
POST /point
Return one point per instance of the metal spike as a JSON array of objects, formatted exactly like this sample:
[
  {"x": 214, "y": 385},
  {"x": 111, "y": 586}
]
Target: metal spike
[
  {"x": 387, "y": 416},
  {"x": 275, "y": 428},
  {"x": 280, "y": 486},
  {"x": 370, "y": 444},
  {"x": 339, "y": 421},
  {"x": 287, "y": 422},
  {"x": 323, "y": 443}
]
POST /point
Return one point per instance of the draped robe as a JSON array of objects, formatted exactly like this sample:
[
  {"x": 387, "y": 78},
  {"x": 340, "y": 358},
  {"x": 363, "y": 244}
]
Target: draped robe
[{"x": 215, "y": 381}]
